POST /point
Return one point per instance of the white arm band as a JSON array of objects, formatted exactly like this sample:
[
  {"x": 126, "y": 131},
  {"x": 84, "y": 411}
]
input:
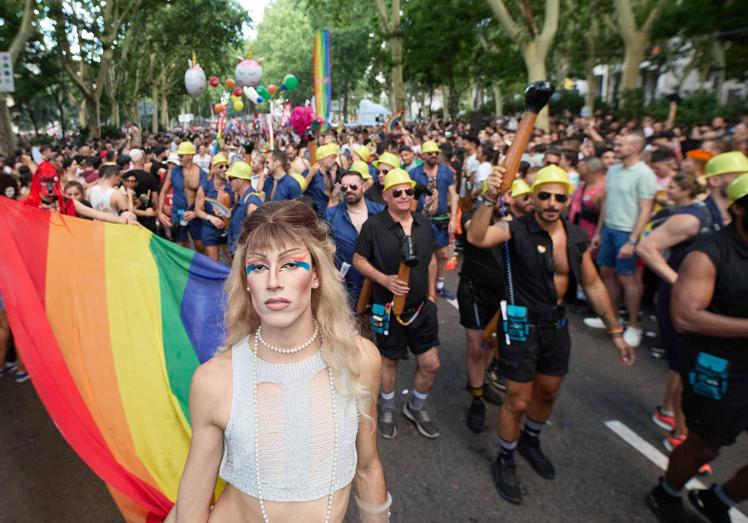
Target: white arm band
[{"x": 374, "y": 513}]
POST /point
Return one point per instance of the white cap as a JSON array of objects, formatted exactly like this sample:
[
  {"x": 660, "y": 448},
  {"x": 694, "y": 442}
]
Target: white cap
[{"x": 173, "y": 158}]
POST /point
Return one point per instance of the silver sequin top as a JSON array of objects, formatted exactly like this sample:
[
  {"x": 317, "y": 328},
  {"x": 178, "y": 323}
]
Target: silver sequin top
[{"x": 296, "y": 431}]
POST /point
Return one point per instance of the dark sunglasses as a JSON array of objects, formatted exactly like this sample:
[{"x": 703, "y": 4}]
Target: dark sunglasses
[
  {"x": 351, "y": 186},
  {"x": 398, "y": 192},
  {"x": 222, "y": 166},
  {"x": 549, "y": 162},
  {"x": 431, "y": 154},
  {"x": 560, "y": 198},
  {"x": 384, "y": 171}
]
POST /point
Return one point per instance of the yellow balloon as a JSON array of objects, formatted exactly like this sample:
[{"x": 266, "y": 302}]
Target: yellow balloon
[
  {"x": 235, "y": 98},
  {"x": 238, "y": 105}
]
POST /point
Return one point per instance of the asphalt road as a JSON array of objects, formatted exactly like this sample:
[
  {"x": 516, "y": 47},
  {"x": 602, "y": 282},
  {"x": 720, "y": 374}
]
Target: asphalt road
[{"x": 600, "y": 476}]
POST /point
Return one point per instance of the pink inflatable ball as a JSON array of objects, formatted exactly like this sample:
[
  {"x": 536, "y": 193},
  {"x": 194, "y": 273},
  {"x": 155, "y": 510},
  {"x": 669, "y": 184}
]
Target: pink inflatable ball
[{"x": 248, "y": 73}]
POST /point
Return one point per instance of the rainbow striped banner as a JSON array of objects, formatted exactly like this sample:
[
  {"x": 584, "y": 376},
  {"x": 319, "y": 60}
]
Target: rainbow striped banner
[
  {"x": 391, "y": 124},
  {"x": 111, "y": 322},
  {"x": 322, "y": 79}
]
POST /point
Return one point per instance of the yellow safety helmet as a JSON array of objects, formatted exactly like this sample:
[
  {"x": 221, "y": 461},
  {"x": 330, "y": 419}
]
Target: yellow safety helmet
[
  {"x": 218, "y": 159},
  {"x": 300, "y": 180},
  {"x": 552, "y": 174},
  {"x": 361, "y": 168},
  {"x": 329, "y": 149},
  {"x": 389, "y": 159},
  {"x": 186, "y": 148},
  {"x": 737, "y": 189},
  {"x": 727, "y": 163},
  {"x": 240, "y": 170},
  {"x": 430, "y": 146},
  {"x": 397, "y": 177},
  {"x": 520, "y": 187},
  {"x": 362, "y": 151}
]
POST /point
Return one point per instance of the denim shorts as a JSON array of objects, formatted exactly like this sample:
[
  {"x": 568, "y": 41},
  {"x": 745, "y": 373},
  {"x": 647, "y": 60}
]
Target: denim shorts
[{"x": 611, "y": 241}]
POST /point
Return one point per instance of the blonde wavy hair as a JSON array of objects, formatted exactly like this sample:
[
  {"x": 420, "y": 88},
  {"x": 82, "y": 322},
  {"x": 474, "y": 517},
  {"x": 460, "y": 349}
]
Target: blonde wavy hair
[{"x": 287, "y": 224}]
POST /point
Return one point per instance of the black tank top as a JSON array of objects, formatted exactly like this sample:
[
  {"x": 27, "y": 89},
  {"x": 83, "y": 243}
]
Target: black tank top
[{"x": 484, "y": 267}]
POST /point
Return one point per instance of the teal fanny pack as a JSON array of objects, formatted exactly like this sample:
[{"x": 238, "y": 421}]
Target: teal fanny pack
[{"x": 709, "y": 376}]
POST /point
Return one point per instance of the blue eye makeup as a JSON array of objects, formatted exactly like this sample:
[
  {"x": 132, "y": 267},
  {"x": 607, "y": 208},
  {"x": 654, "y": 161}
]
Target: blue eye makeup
[{"x": 301, "y": 263}]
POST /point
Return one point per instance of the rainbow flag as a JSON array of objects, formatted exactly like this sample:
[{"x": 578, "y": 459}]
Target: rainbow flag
[
  {"x": 391, "y": 123},
  {"x": 111, "y": 322},
  {"x": 322, "y": 79}
]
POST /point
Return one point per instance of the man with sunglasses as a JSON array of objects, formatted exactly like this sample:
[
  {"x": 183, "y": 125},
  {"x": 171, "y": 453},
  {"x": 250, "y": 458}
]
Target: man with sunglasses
[
  {"x": 547, "y": 256},
  {"x": 380, "y": 249},
  {"x": 443, "y": 214},
  {"x": 383, "y": 165},
  {"x": 214, "y": 196},
  {"x": 146, "y": 190},
  {"x": 346, "y": 220}
]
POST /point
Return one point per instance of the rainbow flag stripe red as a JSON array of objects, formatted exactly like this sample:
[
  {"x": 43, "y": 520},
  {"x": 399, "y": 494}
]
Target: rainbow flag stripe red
[{"x": 111, "y": 322}]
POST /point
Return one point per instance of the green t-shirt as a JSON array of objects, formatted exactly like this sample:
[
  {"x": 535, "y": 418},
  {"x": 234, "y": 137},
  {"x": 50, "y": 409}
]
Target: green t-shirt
[{"x": 625, "y": 186}]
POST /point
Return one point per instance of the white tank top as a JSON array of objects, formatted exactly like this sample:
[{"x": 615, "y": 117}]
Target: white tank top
[
  {"x": 101, "y": 199},
  {"x": 295, "y": 425}
]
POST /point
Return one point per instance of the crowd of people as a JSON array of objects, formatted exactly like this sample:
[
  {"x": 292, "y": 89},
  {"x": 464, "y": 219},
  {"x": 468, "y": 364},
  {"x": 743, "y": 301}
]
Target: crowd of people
[{"x": 601, "y": 210}]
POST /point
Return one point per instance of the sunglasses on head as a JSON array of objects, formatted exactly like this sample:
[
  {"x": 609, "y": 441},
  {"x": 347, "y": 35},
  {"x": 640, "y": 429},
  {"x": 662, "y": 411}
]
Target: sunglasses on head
[
  {"x": 351, "y": 186},
  {"x": 560, "y": 198},
  {"x": 398, "y": 192}
]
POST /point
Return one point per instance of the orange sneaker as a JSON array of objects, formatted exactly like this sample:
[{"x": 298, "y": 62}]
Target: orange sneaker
[
  {"x": 662, "y": 420},
  {"x": 672, "y": 441}
]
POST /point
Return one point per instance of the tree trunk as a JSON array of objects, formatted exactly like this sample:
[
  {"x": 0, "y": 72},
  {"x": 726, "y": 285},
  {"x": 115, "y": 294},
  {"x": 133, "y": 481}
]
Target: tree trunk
[
  {"x": 445, "y": 109},
  {"x": 498, "y": 99},
  {"x": 632, "y": 59},
  {"x": 82, "y": 117},
  {"x": 164, "y": 105},
  {"x": 398, "y": 87},
  {"x": 7, "y": 137},
  {"x": 30, "y": 114},
  {"x": 92, "y": 117},
  {"x": 154, "y": 115},
  {"x": 718, "y": 56},
  {"x": 535, "y": 64},
  {"x": 115, "y": 112},
  {"x": 589, "y": 64}
]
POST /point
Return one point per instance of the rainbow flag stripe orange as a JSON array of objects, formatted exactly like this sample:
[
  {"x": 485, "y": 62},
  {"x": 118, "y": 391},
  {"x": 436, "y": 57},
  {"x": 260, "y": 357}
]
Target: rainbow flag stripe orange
[{"x": 111, "y": 322}]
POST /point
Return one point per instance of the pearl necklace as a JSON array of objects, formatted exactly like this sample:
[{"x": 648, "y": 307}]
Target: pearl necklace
[
  {"x": 331, "y": 381},
  {"x": 293, "y": 350}
]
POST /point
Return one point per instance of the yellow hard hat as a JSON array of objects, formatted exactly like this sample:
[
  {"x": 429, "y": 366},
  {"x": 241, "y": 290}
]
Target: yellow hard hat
[
  {"x": 552, "y": 174},
  {"x": 520, "y": 187},
  {"x": 430, "y": 146},
  {"x": 737, "y": 189},
  {"x": 186, "y": 148},
  {"x": 361, "y": 168},
  {"x": 240, "y": 170},
  {"x": 397, "y": 177},
  {"x": 727, "y": 163},
  {"x": 389, "y": 159},
  {"x": 300, "y": 180},
  {"x": 218, "y": 159},
  {"x": 329, "y": 149},
  {"x": 362, "y": 151}
]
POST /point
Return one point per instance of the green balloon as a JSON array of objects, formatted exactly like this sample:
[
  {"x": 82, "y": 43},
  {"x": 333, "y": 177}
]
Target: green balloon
[
  {"x": 263, "y": 91},
  {"x": 290, "y": 81}
]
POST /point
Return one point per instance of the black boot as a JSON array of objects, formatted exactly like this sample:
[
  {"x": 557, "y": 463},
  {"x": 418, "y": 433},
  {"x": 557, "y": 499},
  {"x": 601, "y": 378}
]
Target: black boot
[
  {"x": 476, "y": 419},
  {"x": 505, "y": 478},
  {"x": 709, "y": 505},
  {"x": 667, "y": 508},
  {"x": 529, "y": 447}
]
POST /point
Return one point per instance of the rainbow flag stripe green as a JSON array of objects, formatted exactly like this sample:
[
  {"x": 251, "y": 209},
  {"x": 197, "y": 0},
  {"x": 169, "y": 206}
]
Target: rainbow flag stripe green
[
  {"x": 322, "y": 78},
  {"x": 111, "y": 322}
]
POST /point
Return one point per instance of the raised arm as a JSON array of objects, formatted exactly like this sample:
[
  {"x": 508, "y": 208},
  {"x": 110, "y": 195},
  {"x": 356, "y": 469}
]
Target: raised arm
[
  {"x": 675, "y": 230},
  {"x": 163, "y": 218},
  {"x": 480, "y": 233}
]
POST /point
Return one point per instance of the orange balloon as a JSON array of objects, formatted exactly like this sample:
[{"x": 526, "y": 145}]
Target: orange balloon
[
  {"x": 218, "y": 108},
  {"x": 272, "y": 88},
  {"x": 230, "y": 84}
]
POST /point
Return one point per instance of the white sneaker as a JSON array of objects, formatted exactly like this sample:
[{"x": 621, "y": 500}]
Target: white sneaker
[
  {"x": 632, "y": 336},
  {"x": 594, "y": 323}
]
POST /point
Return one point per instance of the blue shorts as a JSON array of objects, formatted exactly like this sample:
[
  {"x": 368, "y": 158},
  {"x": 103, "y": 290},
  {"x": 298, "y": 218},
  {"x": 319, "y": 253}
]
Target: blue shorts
[
  {"x": 194, "y": 229},
  {"x": 441, "y": 236},
  {"x": 212, "y": 236},
  {"x": 611, "y": 241}
]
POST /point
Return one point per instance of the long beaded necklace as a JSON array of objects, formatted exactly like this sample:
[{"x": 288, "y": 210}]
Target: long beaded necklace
[
  {"x": 331, "y": 381},
  {"x": 293, "y": 350}
]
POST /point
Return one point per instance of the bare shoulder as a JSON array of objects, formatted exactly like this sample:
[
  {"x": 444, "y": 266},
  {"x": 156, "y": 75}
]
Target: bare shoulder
[
  {"x": 213, "y": 378},
  {"x": 371, "y": 360}
]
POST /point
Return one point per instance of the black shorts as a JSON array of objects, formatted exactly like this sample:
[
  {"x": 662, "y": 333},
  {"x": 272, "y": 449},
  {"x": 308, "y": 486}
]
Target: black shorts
[
  {"x": 477, "y": 304},
  {"x": 672, "y": 340},
  {"x": 546, "y": 351},
  {"x": 419, "y": 336},
  {"x": 718, "y": 422}
]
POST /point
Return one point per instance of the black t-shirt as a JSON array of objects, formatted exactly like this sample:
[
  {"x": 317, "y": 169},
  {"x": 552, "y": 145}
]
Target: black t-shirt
[
  {"x": 156, "y": 166},
  {"x": 374, "y": 194},
  {"x": 146, "y": 182},
  {"x": 484, "y": 267},
  {"x": 729, "y": 254},
  {"x": 380, "y": 242},
  {"x": 531, "y": 256}
]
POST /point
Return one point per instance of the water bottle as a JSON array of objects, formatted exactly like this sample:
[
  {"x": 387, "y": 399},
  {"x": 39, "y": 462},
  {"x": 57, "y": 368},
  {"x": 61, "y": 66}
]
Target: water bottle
[{"x": 182, "y": 220}]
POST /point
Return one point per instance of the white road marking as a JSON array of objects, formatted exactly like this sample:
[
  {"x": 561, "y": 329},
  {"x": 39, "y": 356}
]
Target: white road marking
[
  {"x": 659, "y": 459},
  {"x": 454, "y": 304}
]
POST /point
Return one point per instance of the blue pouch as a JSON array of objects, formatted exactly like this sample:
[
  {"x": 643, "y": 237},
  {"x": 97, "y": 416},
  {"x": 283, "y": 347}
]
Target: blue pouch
[
  {"x": 380, "y": 319},
  {"x": 516, "y": 325},
  {"x": 709, "y": 376}
]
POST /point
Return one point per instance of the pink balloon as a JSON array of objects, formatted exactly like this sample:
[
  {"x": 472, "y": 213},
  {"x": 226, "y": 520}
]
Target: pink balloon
[{"x": 301, "y": 118}]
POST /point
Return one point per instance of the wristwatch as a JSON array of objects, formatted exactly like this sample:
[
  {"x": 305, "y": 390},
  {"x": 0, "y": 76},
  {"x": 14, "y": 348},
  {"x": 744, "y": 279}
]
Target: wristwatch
[{"x": 487, "y": 202}]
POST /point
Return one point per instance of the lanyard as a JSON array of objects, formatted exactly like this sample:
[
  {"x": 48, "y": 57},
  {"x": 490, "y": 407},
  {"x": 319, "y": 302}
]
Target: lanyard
[{"x": 507, "y": 259}]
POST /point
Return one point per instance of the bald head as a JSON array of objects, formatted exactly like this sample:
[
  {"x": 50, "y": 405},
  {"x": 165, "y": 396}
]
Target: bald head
[{"x": 137, "y": 156}]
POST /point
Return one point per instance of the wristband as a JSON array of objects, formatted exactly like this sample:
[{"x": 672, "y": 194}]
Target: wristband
[
  {"x": 487, "y": 202},
  {"x": 632, "y": 242},
  {"x": 615, "y": 332}
]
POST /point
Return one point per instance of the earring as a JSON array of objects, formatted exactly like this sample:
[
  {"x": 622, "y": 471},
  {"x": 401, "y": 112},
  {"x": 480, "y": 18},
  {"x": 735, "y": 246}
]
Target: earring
[
  {"x": 248, "y": 289},
  {"x": 315, "y": 285}
]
